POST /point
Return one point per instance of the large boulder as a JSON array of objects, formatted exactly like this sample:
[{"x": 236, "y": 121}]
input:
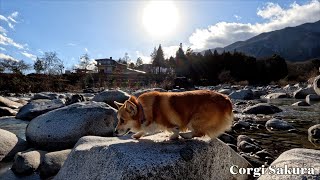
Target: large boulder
[
  {"x": 5, "y": 102},
  {"x": 10, "y": 144},
  {"x": 5, "y": 111},
  {"x": 244, "y": 94},
  {"x": 47, "y": 95},
  {"x": 314, "y": 134},
  {"x": 301, "y": 93},
  {"x": 37, "y": 107},
  {"x": 152, "y": 157},
  {"x": 297, "y": 158},
  {"x": 61, "y": 128},
  {"x": 109, "y": 96},
  {"x": 262, "y": 108},
  {"x": 316, "y": 85},
  {"x": 52, "y": 162}
]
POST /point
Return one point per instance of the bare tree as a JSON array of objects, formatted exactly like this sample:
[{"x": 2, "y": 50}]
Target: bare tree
[{"x": 52, "y": 64}]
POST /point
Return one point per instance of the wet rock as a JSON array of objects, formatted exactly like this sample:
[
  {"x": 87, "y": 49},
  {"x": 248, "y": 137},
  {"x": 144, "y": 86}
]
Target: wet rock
[
  {"x": 61, "y": 128},
  {"x": 25, "y": 163},
  {"x": 75, "y": 98},
  {"x": 141, "y": 91},
  {"x": 234, "y": 147},
  {"x": 5, "y": 111},
  {"x": 247, "y": 147},
  {"x": 297, "y": 158},
  {"x": 10, "y": 144},
  {"x": 37, "y": 107},
  {"x": 227, "y": 138},
  {"x": 109, "y": 96},
  {"x": 303, "y": 92},
  {"x": 88, "y": 90},
  {"x": 264, "y": 154},
  {"x": 258, "y": 93},
  {"x": 240, "y": 103},
  {"x": 300, "y": 103},
  {"x": 276, "y": 96},
  {"x": 314, "y": 134},
  {"x": 244, "y": 94},
  {"x": 246, "y": 138},
  {"x": 5, "y": 102},
  {"x": 52, "y": 163},
  {"x": 9, "y": 175},
  {"x": 241, "y": 125},
  {"x": 262, "y": 108},
  {"x": 312, "y": 98},
  {"x": 278, "y": 125},
  {"x": 316, "y": 85},
  {"x": 153, "y": 157},
  {"x": 16, "y": 126},
  {"x": 252, "y": 159}
]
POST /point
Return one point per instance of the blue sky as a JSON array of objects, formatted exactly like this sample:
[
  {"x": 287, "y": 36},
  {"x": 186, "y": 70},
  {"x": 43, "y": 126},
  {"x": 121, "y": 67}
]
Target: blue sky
[{"x": 111, "y": 28}]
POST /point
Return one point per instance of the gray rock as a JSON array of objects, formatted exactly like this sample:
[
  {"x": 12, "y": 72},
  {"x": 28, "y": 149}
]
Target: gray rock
[
  {"x": 5, "y": 111},
  {"x": 312, "y": 98},
  {"x": 52, "y": 163},
  {"x": 278, "y": 125},
  {"x": 252, "y": 159},
  {"x": 37, "y": 107},
  {"x": 10, "y": 144},
  {"x": 109, "y": 96},
  {"x": 247, "y": 147},
  {"x": 300, "y": 103},
  {"x": 244, "y": 94},
  {"x": 25, "y": 163},
  {"x": 241, "y": 125},
  {"x": 139, "y": 92},
  {"x": 246, "y": 138},
  {"x": 314, "y": 134},
  {"x": 258, "y": 93},
  {"x": 301, "y": 93},
  {"x": 45, "y": 95},
  {"x": 298, "y": 157},
  {"x": 75, "y": 98},
  {"x": 16, "y": 126},
  {"x": 262, "y": 108},
  {"x": 9, "y": 175},
  {"x": 227, "y": 138},
  {"x": 61, "y": 128},
  {"x": 276, "y": 96},
  {"x": 316, "y": 85},
  {"x": 152, "y": 157},
  {"x": 5, "y": 102}
]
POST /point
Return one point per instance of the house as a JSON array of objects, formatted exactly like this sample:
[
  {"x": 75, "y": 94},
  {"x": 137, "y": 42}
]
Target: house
[{"x": 110, "y": 66}]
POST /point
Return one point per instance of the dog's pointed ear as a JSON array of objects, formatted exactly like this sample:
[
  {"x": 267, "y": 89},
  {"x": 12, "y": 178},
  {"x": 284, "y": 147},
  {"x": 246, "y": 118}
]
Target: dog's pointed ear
[
  {"x": 118, "y": 104},
  {"x": 131, "y": 108}
]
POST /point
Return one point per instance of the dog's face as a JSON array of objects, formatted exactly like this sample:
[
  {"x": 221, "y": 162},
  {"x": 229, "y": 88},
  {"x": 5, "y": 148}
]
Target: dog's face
[{"x": 126, "y": 118}]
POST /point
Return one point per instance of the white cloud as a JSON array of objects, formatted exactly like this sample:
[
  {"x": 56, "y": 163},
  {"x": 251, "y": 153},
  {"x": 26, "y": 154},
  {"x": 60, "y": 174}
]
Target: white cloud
[
  {"x": 72, "y": 44},
  {"x": 3, "y": 49},
  {"x": 4, "y": 40},
  {"x": 7, "y": 57},
  {"x": 225, "y": 33},
  {"x": 10, "y": 19},
  {"x": 146, "y": 59},
  {"x": 238, "y": 18},
  {"x": 29, "y": 55},
  {"x": 2, "y": 30},
  {"x": 40, "y": 51}
]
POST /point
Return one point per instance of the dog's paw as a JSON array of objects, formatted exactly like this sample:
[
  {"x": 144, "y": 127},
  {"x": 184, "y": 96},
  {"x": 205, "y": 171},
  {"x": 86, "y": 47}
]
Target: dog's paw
[{"x": 137, "y": 135}]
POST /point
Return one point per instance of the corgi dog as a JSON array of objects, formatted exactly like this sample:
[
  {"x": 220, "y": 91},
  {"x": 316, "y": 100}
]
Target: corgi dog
[{"x": 188, "y": 114}]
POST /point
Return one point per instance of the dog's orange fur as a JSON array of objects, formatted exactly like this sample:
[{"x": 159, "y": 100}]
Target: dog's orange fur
[{"x": 202, "y": 112}]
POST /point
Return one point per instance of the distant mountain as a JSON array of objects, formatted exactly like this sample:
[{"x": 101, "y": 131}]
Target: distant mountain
[{"x": 293, "y": 43}]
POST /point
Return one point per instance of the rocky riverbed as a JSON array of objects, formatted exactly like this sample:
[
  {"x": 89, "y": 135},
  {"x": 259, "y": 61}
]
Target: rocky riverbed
[{"x": 269, "y": 120}]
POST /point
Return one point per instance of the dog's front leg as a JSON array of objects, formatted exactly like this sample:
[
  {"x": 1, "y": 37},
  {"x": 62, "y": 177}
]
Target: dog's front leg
[{"x": 138, "y": 135}]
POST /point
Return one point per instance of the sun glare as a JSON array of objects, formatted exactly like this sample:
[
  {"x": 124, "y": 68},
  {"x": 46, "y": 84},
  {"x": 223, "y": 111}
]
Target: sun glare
[{"x": 160, "y": 18}]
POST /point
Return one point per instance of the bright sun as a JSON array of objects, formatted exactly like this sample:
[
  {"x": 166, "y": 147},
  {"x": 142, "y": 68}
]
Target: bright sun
[{"x": 160, "y": 18}]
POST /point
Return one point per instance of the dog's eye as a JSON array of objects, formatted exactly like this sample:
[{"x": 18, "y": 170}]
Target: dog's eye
[{"x": 121, "y": 121}]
